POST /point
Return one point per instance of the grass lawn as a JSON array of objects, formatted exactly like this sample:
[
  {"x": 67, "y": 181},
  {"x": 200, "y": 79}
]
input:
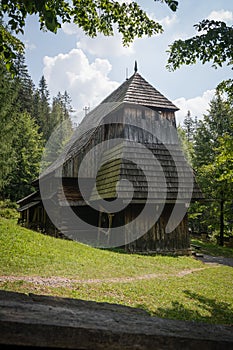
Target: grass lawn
[
  {"x": 213, "y": 249},
  {"x": 203, "y": 294}
]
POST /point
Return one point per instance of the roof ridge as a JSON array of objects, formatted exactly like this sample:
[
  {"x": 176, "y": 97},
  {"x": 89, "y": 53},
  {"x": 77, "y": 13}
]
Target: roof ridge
[{"x": 139, "y": 91}]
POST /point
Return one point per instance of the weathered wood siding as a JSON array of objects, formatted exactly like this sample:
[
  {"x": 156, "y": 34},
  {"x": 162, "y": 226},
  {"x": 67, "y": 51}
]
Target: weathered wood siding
[
  {"x": 128, "y": 123},
  {"x": 156, "y": 239}
]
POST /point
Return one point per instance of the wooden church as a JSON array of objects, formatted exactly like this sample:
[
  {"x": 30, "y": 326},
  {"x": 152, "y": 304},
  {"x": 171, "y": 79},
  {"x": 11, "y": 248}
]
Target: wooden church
[{"x": 122, "y": 180}]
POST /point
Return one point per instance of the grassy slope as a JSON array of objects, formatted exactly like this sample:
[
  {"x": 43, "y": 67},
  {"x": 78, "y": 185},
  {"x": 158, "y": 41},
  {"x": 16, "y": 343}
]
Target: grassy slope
[
  {"x": 205, "y": 295},
  {"x": 213, "y": 249}
]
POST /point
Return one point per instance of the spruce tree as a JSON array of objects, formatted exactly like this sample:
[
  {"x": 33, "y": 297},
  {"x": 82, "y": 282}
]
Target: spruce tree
[
  {"x": 44, "y": 109},
  {"x": 189, "y": 126}
]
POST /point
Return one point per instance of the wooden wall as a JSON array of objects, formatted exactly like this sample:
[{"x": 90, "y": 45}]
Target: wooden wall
[
  {"x": 117, "y": 125},
  {"x": 156, "y": 239}
]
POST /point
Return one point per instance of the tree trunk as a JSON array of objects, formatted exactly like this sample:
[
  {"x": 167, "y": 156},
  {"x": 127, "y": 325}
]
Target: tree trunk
[{"x": 221, "y": 234}]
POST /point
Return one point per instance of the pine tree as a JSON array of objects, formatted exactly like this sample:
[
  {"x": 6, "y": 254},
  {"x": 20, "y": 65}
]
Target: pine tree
[
  {"x": 20, "y": 142},
  {"x": 189, "y": 126},
  {"x": 28, "y": 146},
  {"x": 44, "y": 109},
  {"x": 8, "y": 107},
  {"x": 61, "y": 124},
  {"x": 24, "y": 85},
  {"x": 26, "y": 122},
  {"x": 187, "y": 146}
]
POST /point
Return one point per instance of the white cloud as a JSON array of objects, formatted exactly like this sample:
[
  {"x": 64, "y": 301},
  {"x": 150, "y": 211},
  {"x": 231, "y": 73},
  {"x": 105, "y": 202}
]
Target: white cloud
[
  {"x": 166, "y": 21},
  {"x": 105, "y": 46},
  {"x": 29, "y": 46},
  {"x": 197, "y": 105},
  {"x": 100, "y": 45},
  {"x": 70, "y": 28},
  {"x": 87, "y": 82},
  {"x": 221, "y": 15},
  {"x": 110, "y": 46}
]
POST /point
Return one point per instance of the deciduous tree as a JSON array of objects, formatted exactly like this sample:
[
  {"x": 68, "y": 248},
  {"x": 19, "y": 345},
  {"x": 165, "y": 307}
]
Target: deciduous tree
[{"x": 92, "y": 16}]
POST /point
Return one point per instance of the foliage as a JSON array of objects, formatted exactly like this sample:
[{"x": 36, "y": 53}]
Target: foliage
[
  {"x": 92, "y": 16},
  {"x": 226, "y": 87},
  {"x": 10, "y": 46},
  {"x": 8, "y": 97},
  {"x": 213, "y": 249},
  {"x": 171, "y": 3},
  {"x": 214, "y": 43},
  {"x": 212, "y": 162},
  {"x": 196, "y": 296},
  {"x": 26, "y": 123},
  {"x": 187, "y": 146},
  {"x": 224, "y": 159},
  {"x": 20, "y": 140},
  {"x": 189, "y": 126},
  {"x": 28, "y": 145},
  {"x": 8, "y": 210}
]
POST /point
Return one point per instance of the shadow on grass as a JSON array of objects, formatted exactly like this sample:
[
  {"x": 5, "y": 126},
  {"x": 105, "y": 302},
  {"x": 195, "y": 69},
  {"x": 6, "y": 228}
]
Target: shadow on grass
[
  {"x": 204, "y": 310},
  {"x": 123, "y": 251}
]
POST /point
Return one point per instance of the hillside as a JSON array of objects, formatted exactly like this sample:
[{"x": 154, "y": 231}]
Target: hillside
[{"x": 171, "y": 287}]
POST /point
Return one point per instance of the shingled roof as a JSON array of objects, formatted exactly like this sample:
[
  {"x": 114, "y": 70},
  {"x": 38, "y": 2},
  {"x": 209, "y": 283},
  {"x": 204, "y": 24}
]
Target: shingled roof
[
  {"x": 137, "y": 90},
  {"x": 178, "y": 184}
]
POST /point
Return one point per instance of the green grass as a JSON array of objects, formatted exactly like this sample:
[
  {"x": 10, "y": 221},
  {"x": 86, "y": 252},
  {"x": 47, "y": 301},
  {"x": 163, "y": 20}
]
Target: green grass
[
  {"x": 204, "y": 295},
  {"x": 26, "y": 252},
  {"x": 8, "y": 210},
  {"x": 213, "y": 249}
]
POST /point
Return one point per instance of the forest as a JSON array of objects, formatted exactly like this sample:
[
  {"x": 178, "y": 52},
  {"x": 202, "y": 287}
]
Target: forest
[
  {"x": 28, "y": 116},
  {"x": 208, "y": 146}
]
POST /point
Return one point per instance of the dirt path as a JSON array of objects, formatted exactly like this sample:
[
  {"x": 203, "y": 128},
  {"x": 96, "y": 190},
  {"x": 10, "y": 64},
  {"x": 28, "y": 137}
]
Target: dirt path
[
  {"x": 61, "y": 281},
  {"x": 216, "y": 259}
]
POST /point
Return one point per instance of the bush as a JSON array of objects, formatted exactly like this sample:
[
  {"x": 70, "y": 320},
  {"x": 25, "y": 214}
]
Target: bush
[{"x": 8, "y": 209}]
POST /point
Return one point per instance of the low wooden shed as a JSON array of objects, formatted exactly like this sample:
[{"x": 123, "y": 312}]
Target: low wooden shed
[{"x": 125, "y": 154}]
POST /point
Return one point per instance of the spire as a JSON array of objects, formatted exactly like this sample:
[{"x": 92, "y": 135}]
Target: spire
[{"x": 135, "y": 67}]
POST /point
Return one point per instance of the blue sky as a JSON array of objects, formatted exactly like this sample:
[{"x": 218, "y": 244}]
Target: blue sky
[{"x": 89, "y": 69}]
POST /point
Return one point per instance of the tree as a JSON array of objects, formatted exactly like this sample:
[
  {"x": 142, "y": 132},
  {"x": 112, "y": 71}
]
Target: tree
[
  {"x": 25, "y": 85},
  {"x": 217, "y": 180},
  {"x": 186, "y": 144},
  {"x": 27, "y": 145},
  {"x": 189, "y": 126},
  {"x": 24, "y": 114},
  {"x": 215, "y": 124},
  {"x": 213, "y": 44},
  {"x": 43, "y": 108},
  {"x": 223, "y": 168},
  {"x": 212, "y": 161},
  {"x": 20, "y": 141},
  {"x": 8, "y": 105},
  {"x": 61, "y": 125},
  {"x": 92, "y": 16},
  {"x": 10, "y": 47}
]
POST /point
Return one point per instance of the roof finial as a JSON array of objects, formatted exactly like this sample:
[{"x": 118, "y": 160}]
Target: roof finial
[{"x": 135, "y": 67}]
